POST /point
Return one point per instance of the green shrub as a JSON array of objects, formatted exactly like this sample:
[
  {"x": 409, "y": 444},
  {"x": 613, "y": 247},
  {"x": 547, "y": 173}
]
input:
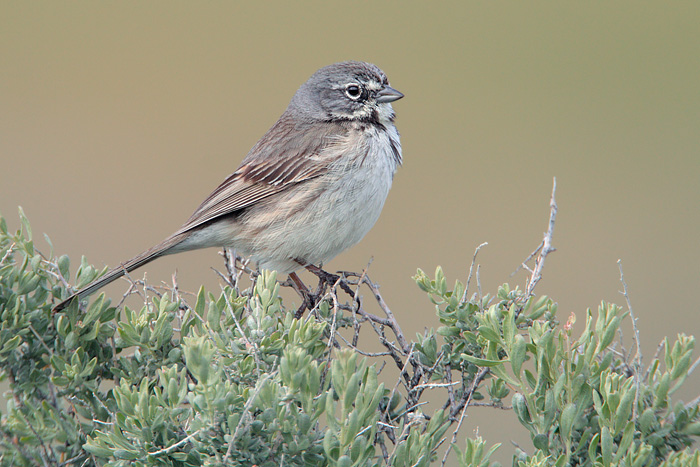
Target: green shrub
[{"x": 235, "y": 379}]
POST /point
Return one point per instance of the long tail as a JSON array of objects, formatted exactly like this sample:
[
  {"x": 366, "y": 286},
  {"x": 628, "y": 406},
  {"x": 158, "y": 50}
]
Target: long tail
[{"x": 113, "y": 274}]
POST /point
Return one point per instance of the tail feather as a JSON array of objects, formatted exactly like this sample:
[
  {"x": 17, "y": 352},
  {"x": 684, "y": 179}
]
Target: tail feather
[{"x": 115, "y": 273}]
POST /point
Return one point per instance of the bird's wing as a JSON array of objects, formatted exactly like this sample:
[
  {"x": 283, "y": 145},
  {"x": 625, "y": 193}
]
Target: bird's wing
[{"x": 287, "y": 155}]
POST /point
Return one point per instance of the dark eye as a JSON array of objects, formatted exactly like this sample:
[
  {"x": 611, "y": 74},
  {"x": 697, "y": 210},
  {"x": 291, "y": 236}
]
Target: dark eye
[{"x": 353, "y": 91}]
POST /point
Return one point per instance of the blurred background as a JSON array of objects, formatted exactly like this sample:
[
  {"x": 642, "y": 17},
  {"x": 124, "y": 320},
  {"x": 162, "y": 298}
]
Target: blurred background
[{"x": 117, "y": 119}]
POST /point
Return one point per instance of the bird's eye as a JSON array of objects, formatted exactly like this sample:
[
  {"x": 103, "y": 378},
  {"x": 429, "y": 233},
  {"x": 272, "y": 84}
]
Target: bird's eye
[{"x": 353, "y": 91}]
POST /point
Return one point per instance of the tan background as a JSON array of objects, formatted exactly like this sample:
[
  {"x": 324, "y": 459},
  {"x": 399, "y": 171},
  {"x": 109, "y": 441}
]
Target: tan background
[{"x": 118, "y": 118}]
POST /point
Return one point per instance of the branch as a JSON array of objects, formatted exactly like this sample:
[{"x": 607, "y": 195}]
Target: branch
[
  {"x": 471, "y": 270},
  {"x": 466, "y": 399},
  {"x": 176, "y": 445},
  {"x": 637, "y": 360},
  {"x": 544, "y": 248}
]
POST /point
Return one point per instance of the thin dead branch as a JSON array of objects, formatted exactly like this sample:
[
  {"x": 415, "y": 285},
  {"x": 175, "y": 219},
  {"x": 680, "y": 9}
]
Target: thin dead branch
[{"x": 637, "y": 360}]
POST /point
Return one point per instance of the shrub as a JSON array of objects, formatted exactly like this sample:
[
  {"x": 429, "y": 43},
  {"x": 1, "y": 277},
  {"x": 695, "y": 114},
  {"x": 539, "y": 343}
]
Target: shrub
[{"x": 236, "y": 379}]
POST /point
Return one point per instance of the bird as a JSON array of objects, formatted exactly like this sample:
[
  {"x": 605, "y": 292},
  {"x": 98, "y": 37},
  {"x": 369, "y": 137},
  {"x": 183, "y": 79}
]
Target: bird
[{"x": 309, "y": 189}]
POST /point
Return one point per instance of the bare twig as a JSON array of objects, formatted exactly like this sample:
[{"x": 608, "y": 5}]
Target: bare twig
[
  {"x": 467, "y": 396},
  {"x": 524, "y": 265},
  {"x": 382, "y": 446},
  {"x": 450, "y": 389},
  {"x": 490, "y": 404},
  {"x": 373, "y": 318},
  {"x": 224, "y": 277},
  {"x": 471, "y": 270},
  {"x": 53, "y": 269},
  {"x": 41, "y": 340},
  {"x": 475, "y": 384},
  {"x": 397, "y": 351},
  {"x": 360, "y": 351},
  {"x": 171, "y": 448},
  {"x": 478, "y": 282},
  {"x": 412, "y": 421},
  {"x": 435, "y": 385},
  {"x": 230, "y": 265},
  {"x": 334, "y": 326},
  {"x": 693, "y": 403},
  {"x": 694, "y": 366},
  {"x": 393, "y": 324},
  {"x": 545, "y": 247},
  {"x": 233, "y": 270},
  {"x": 8, "y": 253},
  {"x": 404, "y": 374},
  {"x": 426, "y": 373},
  {"x": 637, "y": 360}
]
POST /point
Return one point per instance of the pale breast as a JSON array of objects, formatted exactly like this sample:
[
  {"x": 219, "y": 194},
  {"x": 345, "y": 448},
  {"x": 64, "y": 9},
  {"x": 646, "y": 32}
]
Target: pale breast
[{"x": 355, "y": 194}]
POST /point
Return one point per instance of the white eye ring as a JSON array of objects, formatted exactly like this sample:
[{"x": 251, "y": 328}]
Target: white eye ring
[{"x": 353, "y": 91}]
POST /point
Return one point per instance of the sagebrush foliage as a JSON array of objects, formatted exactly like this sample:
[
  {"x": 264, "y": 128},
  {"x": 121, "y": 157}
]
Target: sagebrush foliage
[{"x": 235, "y": 379}]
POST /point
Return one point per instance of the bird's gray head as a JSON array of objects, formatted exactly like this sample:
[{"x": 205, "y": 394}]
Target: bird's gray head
[{"x": 356, "y": 91}]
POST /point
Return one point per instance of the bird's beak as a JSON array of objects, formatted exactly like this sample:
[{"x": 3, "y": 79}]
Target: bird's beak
[{"x": 388, "y": 94}]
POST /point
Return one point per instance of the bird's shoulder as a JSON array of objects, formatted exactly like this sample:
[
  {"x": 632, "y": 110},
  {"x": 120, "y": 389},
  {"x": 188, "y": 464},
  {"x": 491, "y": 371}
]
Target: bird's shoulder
[{"x": 291, "y": 151}]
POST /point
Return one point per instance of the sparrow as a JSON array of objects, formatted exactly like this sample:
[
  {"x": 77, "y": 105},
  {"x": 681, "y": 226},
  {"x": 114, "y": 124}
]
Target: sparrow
[{"x": 310, "y": 188}]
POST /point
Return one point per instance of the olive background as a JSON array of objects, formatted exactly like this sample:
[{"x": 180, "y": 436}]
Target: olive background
[{"x": 118, "y": 118}]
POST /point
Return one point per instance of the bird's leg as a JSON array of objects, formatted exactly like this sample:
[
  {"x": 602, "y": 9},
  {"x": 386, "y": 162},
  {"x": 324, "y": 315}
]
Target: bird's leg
[{"x": 307, "y": 300}]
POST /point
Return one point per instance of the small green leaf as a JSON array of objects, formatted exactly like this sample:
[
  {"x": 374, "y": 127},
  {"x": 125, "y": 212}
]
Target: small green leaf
[
  {"x": 521, "y": 410},
  {"x": 201, "y": 301},
  {"x": 63, "y": 263},
  {"x": 490, "y": 334},
  {"x": 125, "y": 454},
  {"x": 567, "y": 419},
  {"x": 624, "y": 408},
  {"x": 541, "y": 442},
  {"x": 11, "y": 344},
  {"x": 626, "y": 441},
  {"x": 97, "y": 450},
  {"x": 606, "y": 445},
  {"x": 518, "y": 353},
  {"x": 482, "y": 361},
  {"x": 593, "y": 447}
]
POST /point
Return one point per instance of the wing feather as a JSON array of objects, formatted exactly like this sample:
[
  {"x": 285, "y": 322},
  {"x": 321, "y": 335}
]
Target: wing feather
[{"x": 277, "y": 162}]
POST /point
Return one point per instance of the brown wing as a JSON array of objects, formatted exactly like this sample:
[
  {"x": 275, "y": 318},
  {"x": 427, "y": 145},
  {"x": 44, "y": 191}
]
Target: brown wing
[{"x": 288, "y": 154}]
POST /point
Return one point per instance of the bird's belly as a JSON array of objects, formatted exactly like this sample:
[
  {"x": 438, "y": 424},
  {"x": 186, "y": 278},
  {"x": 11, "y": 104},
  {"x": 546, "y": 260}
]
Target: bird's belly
[
  {"x": 316, "y": 222},
  {"x": 341, "y": 214}
]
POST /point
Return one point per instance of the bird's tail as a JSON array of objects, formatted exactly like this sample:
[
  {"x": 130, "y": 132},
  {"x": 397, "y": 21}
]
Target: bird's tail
[{"x": 115, "y": 273}]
